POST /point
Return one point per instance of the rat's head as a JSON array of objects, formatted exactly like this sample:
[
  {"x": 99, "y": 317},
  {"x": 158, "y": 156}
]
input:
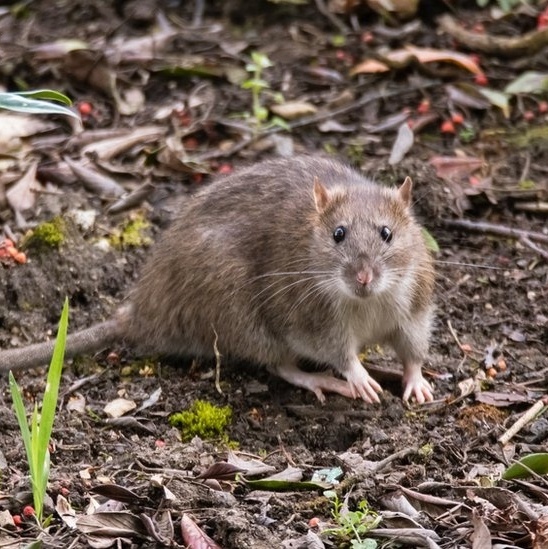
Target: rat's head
[{"x": 366, "y": 237}]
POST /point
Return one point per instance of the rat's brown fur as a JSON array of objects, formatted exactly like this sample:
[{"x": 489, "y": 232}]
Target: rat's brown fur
[{"x": 251, "y": 261}]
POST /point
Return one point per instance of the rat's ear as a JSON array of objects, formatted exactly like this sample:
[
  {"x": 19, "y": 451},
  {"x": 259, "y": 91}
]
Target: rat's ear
[
  {"x": 405, "y": 191},
  {"x": 321, "y": 196}
]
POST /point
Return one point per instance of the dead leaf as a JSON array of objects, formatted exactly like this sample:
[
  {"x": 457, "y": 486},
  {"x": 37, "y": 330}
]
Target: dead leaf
[
  {"x": 195, "y": 537},
  {"x": 118, "y": 493},
  {"x": 252, "y": 467},
  {"x": 118, "y": 407},
  {"x": 501, "y": 399},
  {"x": 402, "y": 145},
  {"x": 402, "y": 9},
  {"x": 13, "y": 127},
  {"x": 402, "y": 57},
  {"x": 113, "y": 525},
  {"x": 65, "y": 511},
  {"x": 76, "y": 403},
  {"x": 291, "y": 110},
  {"x": 94, "y": 181},
  {"x": 481, "y": 538},
  {"x": 106, "y": 149},
  {"x": 21, "y": 196},
  {"x": 452, "y": 168},
  {"x": 221, "y": 471}
]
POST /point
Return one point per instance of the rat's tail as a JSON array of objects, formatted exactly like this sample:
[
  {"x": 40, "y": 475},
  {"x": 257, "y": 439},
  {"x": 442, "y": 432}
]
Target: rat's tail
[{"x": 39, "y": 354}]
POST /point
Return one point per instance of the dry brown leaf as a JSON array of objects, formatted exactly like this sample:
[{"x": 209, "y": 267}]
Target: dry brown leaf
[
  {"x": 194, "y": 536},
  {"x": 108, "y": 148},
  {"x": 423, "y": 55},
  {"x": 119, "y": 406},
  {"x": 22, "y": 196},
  {"x": 293, "y": 109},
  {"x": 451, "y": 168}
]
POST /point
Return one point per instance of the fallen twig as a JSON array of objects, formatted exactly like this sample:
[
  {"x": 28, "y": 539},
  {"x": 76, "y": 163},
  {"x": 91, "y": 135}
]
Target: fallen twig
[
  {"x": 493, "y": 228},
  {"x": 527, "y": 242},
  {"x": 528, "y": 416},
  {"x": 519, "y": 46}
]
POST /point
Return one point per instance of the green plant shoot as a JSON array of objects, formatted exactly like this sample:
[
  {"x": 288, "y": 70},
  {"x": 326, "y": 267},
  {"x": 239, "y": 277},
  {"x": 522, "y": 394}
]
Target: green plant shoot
[
  {"x": 256, "y": 84},
  {"x": 34, "y": 102},
  {"x": 37, "y": 438}
]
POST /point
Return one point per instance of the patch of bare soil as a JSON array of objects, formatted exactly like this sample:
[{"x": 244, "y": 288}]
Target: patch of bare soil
[{"x": 432, "y": 470}]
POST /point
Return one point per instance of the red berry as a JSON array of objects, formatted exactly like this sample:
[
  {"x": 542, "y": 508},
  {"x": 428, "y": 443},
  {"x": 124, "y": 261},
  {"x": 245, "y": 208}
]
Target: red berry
[
  {"x": 424, "y": 106},
  {"x": 225, "y": 168},
  {"x": 457, "y": 118},
  {"x": 529, "y": 115},
  {"x": 28, "y": 511},
  {"x": 314, "y": 522},
  {"x": 542, "y": 20},
  {"x": 368, "y": 37},
  {"x": 481, "y": 79},
  {"x": 85, "y": 108},
  {"x": 447, "y": 127},
  {"x": 64, "y": 491},
  {"x": 17, "y": 520},
  {"x": 159, "y": 443},
  {"x": 543, "y": 107},
  {"x": 474, "y": 181}
]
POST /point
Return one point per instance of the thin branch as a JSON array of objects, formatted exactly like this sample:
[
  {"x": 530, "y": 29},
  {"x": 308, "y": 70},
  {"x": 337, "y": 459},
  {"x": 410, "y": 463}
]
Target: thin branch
[{"x": 493, "y": 228}]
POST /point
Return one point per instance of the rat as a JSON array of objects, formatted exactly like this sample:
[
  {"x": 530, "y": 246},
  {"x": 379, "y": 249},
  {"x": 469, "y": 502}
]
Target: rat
[{"x": 290, "y": 259}]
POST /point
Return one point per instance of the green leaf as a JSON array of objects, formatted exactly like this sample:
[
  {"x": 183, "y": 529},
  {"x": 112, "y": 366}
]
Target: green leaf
[
  {"x": 431, "y": 243},
  {"x": 536, "y": 462},
  {"x": 261, "y": 60},
  {"x": 499, "y": 99},
  {"x": 52, "y": 95},
  {"x": 528, "y": 82},
  {"x": 20, "y": 103},
  {"x": 21, "y": 414},
  {"x": 255, "y": 84},
  {"x": 284, "y": 485}
]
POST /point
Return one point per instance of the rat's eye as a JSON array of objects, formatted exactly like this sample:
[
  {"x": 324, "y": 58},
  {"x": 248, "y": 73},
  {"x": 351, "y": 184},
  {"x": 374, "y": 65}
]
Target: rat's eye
[
  {"x": 338, "y": 234},
  {"x": 386, "y": 234}
]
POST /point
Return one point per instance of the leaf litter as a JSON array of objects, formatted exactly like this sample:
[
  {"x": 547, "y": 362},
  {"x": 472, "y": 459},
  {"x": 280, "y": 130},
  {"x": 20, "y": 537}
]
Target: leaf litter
[{"x": 165, "y": 110}]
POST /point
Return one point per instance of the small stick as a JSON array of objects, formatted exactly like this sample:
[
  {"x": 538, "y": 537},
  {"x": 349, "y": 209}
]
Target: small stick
[
  {"x": 527, "y": 242},
  {"x": 525, "y": 45},
  {"x": 493, "y": 228},
  {"x": 528, "y": 416}
]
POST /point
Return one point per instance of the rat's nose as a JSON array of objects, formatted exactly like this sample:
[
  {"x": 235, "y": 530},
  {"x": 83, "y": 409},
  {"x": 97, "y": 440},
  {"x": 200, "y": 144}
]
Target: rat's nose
[{"x": 364, "y": 277}]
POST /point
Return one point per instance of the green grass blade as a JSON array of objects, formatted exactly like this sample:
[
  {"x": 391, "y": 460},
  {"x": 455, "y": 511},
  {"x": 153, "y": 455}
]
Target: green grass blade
[
  {"x": 50, "y": 95},
  {"x": 51, "y": 393},
  {"x": 36, "y": 470},
  {"x": 19, "y": 103},
  {"x": 21, "y": 414}
]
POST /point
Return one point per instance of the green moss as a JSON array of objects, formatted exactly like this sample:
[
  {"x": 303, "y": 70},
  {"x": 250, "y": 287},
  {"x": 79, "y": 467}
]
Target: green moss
[
  {"x": 132, "y": 234},
  {"x": 204, "y": 420},
  {"x": 48, "y": 235}
]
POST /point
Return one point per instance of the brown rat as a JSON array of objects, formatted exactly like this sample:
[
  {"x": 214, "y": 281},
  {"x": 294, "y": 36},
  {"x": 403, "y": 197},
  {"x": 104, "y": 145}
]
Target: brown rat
[{"x": 288, "y": 259}]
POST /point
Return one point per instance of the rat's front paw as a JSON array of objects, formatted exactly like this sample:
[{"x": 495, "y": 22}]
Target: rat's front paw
[
  {"x": 416, "y": 386},
  {"x": 363, "y": 385}
]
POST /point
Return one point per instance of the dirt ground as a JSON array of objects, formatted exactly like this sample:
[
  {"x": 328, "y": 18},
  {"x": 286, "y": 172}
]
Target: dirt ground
[{"x": 432, "y": 472}]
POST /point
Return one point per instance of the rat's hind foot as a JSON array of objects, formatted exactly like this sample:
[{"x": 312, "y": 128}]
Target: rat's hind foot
[
  {"x": 414, "y": 385},
  {"x": 313, "y": 381}
]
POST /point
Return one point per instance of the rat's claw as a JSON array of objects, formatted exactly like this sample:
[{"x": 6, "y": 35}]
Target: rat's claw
[
  {"x": 363, "y": 385},
  {"x": 416, "y": 386}
]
